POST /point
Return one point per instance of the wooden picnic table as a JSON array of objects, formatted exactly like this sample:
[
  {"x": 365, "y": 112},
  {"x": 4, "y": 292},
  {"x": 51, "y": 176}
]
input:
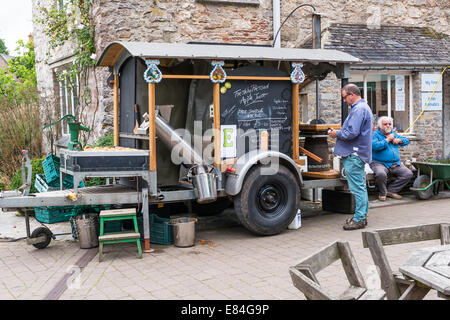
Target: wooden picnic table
[{"x": 430, "y": 267}]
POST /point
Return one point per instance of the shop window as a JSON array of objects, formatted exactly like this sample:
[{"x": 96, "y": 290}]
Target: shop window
[
  {"x": 68, "y": 99},
  {"x": 388, "y": 95}
]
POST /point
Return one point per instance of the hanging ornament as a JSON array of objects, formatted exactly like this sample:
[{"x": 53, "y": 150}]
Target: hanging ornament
[
  {"x": 217, "y": 74},
  {"x": 297, "y": 75},
  {"x": 152, "y": 74}
]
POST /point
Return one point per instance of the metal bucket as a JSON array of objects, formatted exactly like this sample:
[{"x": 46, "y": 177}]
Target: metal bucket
[
  {"x": 86, "y": 230},
  {"x": 183, "y": 231},
  {"x": 205, "y": 186}
]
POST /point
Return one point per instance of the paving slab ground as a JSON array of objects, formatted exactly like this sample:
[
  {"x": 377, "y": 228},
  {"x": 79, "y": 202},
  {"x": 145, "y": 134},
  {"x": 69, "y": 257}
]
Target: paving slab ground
[{"x": 229, "y": 264}]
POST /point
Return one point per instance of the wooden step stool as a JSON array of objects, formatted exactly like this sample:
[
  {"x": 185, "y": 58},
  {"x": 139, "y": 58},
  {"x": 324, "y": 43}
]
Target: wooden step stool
[{"x": 118, "y": 237}]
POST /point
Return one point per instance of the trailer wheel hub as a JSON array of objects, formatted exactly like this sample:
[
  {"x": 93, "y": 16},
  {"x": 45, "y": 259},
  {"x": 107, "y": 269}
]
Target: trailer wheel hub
[{"x": 269, "y": 198}]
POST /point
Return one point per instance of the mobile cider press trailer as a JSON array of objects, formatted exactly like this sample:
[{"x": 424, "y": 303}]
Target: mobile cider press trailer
[{"x": 211, "y": 123}]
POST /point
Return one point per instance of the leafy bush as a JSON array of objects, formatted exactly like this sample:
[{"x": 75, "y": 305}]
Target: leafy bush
[
  {"x": 36, "y": 165},
  {"x": 105, "y": 141}
]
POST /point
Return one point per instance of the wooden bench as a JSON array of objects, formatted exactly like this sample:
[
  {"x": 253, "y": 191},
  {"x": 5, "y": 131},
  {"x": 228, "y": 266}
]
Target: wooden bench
[
  {"x": 304, "y": 275},
  {"x": 395, "y": 285},
  {"x": 118, "y": 237}
]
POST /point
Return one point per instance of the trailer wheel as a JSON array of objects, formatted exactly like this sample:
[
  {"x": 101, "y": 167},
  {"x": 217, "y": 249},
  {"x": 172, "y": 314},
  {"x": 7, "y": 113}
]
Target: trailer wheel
[
  {"x": 267, "y": 204},
  {"x": 423, "y": 181},
  {"x": 42, "y": 231}
]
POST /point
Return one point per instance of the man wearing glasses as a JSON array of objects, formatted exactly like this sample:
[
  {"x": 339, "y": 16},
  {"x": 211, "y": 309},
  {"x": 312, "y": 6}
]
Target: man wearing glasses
[{"x": 354, "y": 145}]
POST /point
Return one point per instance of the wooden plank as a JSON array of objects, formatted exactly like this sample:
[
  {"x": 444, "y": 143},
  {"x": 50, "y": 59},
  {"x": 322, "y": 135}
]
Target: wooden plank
[
  {"x": 318, "y": 127},
  {"x": 350, "y": 266},
  {"x": 119, "y": 236},
  {"x": 216, "y": 107},
  {"x": 331, "y": 174},
  {"x": 118, "y": 212},
  {"x": 152, "y": 126},
  {"x": 206, "y": 77},
  {"x": 310, "y": 154},
  {"x": 352, "y": 293},
  {"x": 309, "y": 288},
  {"x": 373, "y": 242},
  {"x": 428, "y": 278},
  {"x": 295, "y": 121},
  {"x": 116, "y": 109},
  {"x": 414, "y": 292},
  {"x": 373, "y": 295},
  {"x": 409, "y": 234},
  {"x": 445, "y": 233},
  {"x": 321, "y": 259}
]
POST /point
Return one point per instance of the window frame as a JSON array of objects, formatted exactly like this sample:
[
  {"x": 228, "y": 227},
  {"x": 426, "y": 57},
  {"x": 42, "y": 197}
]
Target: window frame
[{"x": 389, "y": 74}]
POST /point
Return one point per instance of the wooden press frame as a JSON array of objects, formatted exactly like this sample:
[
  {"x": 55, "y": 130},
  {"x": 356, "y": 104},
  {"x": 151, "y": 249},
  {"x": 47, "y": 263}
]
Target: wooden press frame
[{"x": 218, "y": 163}]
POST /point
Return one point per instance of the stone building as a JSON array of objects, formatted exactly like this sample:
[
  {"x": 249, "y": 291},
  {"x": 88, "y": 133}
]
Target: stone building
[{"x": 406, "y": 41}]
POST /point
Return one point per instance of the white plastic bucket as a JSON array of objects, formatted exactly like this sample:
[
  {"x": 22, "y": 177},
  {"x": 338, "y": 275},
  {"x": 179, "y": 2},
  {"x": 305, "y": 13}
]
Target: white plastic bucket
[{"x": 297, "y": 221}]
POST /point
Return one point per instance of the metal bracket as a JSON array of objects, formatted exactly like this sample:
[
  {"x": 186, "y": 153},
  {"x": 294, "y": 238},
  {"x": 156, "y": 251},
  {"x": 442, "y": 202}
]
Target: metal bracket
[
  {"x": 297, "y": 75},
  {"x": 218, "y": 75},
  {"x": 152, "y": 74}
]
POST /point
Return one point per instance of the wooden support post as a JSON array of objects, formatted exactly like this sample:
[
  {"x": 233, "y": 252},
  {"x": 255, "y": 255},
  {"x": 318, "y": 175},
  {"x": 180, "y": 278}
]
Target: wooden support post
[
  {"x": 295, "y": 122},
  {"x": 152, "y": 126},
  {"x": 217, "y": 138},
  {"x": 116, "y": 109}
]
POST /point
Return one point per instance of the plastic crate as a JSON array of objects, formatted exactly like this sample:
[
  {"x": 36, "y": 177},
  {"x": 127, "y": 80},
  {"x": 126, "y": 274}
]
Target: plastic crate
[
  {"x": 41, "y": 185},
  {"x": 51, "y": 168},
  {"x": 55, "y": 214},
  {"x": 68, "y": 182},
  {"x": 112, "y": 226},
  {"x": 160, "y": 230}
]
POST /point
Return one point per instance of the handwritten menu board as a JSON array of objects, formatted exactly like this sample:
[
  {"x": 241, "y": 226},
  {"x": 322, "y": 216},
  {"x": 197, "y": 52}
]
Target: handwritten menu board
[{"x": 253, "y": 106}]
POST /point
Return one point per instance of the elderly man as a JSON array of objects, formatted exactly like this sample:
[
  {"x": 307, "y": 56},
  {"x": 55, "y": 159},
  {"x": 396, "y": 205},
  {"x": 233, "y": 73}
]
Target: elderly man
[
  {"x": 354, "y": 145},
  {"x": 386, "y": 160}
]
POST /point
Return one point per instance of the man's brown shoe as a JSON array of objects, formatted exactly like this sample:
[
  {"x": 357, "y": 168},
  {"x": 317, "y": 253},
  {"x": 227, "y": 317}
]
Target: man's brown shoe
[
  {"x": 394, "y": 196},
  {"x": 353, "y": 225},
  {"x": 381, "y": 198},
  {"x": 349, "y": 220}
]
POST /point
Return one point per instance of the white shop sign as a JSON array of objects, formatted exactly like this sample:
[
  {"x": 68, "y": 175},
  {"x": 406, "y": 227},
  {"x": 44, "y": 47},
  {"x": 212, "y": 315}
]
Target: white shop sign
[
  {"x": 429, "y": 81},
  {"x": 399, "y": 93},
  {"x": 435, "y": 102},
  {"x": 228, "y": 141}
]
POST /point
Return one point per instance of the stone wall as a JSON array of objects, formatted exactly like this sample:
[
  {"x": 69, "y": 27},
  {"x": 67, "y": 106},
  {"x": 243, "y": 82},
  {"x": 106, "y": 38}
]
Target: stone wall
[{"x": 191, "y": 20}]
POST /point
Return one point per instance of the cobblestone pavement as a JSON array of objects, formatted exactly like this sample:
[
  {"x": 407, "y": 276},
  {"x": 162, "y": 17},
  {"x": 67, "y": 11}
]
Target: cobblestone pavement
[{"x": 230, "y": 263}]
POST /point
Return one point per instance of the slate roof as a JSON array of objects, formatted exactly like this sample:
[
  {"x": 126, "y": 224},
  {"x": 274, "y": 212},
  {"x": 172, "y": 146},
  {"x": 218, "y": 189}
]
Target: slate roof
[{"x": 388, "y": 45}]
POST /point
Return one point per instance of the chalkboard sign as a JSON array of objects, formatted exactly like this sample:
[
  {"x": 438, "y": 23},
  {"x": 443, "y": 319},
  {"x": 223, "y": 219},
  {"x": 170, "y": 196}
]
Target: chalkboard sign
[{"x": 253, "y": 106}]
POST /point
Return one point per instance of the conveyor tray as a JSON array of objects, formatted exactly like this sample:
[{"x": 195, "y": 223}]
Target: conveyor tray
[{"x": 87, "y": 161}]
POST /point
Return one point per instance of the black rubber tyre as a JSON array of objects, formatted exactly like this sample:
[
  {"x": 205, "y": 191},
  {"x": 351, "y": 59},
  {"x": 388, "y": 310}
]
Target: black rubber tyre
[
  {"x": 42, "y": 231},
  {"x": 212, "y": 208},
  {"x": 267, "y": 204},
  {"x": 421, "y": 182}
]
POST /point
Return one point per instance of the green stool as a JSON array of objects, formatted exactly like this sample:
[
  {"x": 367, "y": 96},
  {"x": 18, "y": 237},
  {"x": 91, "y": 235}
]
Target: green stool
[{"x": 118, "y": 237}]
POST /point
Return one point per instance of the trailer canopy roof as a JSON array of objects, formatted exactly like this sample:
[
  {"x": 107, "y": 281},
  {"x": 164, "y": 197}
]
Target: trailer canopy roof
[{"x": 117, "y": 52}]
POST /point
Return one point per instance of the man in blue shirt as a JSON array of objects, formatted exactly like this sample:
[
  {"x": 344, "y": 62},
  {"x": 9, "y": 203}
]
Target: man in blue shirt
[
  {"x": 354, "y": 145},
  {"x": 386, "y": 160}
]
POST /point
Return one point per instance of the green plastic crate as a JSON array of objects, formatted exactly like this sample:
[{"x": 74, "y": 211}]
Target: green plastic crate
[
  {"x": 160, "y": 230},
  {"x": 41, "y": 185},
  {"x": 51, "y": 168},
  {"x": 55, "y": 214}
]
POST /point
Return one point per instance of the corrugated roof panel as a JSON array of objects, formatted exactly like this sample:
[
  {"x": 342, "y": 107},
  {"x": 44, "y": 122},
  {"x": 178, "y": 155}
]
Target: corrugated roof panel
[{"x": 220, "y": 52}]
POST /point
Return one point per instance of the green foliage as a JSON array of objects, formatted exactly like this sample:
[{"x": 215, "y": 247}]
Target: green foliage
[
  {"x": 36, "y": 165},
  {"x": 105, "y": 141},
  {"x": 18, "y": 80},
  {"x": 3, "y": 48},
  {"x": 73, "y": 24}
]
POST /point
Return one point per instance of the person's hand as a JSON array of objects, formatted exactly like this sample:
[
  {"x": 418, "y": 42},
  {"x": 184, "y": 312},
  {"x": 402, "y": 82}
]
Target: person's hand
[
  {"x": 332, "y": 133},
  {"x": 397, "y": 141},
  {"x": 390, "y": 137}
]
